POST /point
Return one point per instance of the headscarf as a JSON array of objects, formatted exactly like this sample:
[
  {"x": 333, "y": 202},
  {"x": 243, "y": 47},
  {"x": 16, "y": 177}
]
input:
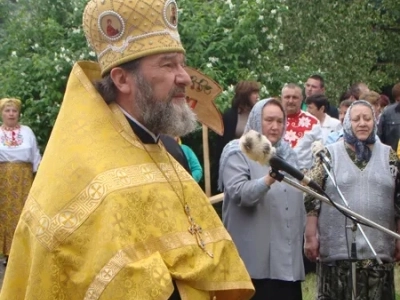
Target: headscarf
[
  {"x": 7, "y": 101},
  {"x": 363, "y": 152},
  {"x": 254, "y": 122}
]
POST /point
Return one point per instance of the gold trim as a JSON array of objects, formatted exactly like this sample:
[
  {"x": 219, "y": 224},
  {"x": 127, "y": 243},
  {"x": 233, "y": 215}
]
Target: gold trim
[
  {"x": 139, "y": 251},
  {"x": 51, "y": 231}
]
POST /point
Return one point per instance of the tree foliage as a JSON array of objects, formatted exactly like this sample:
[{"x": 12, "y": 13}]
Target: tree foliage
[{"x": 274, "y": 42}]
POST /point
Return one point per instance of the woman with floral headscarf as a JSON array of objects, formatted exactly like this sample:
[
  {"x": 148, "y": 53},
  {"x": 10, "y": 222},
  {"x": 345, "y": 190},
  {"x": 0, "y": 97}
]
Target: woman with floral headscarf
[
  {"x": 265, "y": 218},
  {"x": 19, "y": 159},
  {"x": 367, "y": 174}
]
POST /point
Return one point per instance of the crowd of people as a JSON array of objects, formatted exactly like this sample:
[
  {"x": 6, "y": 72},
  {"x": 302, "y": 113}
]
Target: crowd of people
[
  {"x": 120, "y": 214},
  {"x": 362, "y": 145}
]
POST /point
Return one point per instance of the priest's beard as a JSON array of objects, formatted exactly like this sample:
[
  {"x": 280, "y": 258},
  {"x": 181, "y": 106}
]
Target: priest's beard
[{"x": 163, "y": 116}]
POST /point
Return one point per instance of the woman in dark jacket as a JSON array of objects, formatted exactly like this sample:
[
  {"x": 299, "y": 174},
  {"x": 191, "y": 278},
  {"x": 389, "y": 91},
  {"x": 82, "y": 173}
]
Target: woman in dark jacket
[{"x": 235, "y": 117}]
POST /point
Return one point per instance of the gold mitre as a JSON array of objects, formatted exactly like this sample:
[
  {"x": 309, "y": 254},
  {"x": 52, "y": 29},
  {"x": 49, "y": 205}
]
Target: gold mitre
[{"x": 120, "y": 31}]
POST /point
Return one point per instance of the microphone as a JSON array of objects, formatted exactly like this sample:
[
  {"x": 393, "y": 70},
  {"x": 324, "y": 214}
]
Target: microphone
[
  {"x": 319, "y": 152},
  {"x": 257, "y": 147},
  {"x": 278, "y": 163}
]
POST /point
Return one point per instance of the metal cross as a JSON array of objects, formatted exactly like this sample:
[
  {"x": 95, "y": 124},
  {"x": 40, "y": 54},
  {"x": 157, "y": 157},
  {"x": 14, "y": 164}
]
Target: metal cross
[{"x": 196, "y": 230}]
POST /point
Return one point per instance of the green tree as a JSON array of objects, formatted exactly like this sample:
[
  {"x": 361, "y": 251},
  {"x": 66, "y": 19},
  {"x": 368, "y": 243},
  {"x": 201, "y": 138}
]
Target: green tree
[{"x": 274, "y": 42}]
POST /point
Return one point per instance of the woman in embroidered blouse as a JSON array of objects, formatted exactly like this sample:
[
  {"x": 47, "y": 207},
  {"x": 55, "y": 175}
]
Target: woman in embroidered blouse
[
  {"x": 265, "y": 218},
  {"x": 367, "y": 175},
  {"x": 19, "y": 159}
]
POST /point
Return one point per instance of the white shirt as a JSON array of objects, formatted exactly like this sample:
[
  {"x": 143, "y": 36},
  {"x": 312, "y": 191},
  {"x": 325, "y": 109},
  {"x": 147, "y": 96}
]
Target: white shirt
[
  {"x": 330, "y": 125},
  {"x": 27, "y": 151}
]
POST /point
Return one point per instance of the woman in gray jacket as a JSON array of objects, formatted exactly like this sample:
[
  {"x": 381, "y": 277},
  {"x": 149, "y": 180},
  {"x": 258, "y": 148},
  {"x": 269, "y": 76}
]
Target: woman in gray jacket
[{"x": 265, "y": 218}]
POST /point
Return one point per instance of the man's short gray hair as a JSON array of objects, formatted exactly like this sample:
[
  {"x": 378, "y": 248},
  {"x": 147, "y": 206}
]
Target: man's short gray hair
[{"x": 106, "y": 86}]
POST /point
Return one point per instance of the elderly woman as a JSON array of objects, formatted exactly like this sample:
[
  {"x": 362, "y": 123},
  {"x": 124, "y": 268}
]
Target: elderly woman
[
  {"x": 367, "y": 175},
  {"x": 19, "y": 159},
  {"x": 265, "y": 218}
]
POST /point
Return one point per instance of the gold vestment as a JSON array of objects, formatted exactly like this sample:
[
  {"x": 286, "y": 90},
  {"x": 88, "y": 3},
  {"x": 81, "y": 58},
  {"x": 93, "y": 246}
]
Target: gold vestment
[{"x": 102, "y": 221}]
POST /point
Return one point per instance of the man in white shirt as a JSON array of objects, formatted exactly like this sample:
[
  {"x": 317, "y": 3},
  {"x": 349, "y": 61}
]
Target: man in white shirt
[
  {"x": 315, "y": 84},
  {"x": 317, "y": 105}
]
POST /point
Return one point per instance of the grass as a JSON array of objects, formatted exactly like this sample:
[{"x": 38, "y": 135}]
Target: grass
[{"x": 309, "y": 286}]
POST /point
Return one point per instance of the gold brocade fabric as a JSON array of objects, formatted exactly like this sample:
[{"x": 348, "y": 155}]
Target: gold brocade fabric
[
  {"x": 103, "y": 222},
  {"x": 15, "y": 182}
]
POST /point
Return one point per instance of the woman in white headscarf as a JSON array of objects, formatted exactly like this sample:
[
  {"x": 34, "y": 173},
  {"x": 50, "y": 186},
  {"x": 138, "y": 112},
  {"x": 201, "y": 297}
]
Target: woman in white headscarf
[
  {"x": 367, "y": 175},
  {"x": 265, "y": 218}
]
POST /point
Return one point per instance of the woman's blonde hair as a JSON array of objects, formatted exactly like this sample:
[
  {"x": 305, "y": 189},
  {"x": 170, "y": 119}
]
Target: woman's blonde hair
[
  {"x": 371, "y": 96},
  {"x": 7, "y": 101}
]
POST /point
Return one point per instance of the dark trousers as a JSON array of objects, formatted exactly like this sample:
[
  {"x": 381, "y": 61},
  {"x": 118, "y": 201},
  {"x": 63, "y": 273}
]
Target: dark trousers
[
  {"x": 175, "y": 295},
  {"x": 270, "y": 289}
]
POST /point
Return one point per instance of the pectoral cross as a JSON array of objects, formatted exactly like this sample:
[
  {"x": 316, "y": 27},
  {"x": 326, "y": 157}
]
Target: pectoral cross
[{"x": 197, "y": 231}]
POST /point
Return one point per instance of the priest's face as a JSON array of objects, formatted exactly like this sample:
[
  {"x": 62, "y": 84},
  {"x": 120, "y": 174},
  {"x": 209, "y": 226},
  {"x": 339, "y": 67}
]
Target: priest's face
[{"x": 160, "y": 95}]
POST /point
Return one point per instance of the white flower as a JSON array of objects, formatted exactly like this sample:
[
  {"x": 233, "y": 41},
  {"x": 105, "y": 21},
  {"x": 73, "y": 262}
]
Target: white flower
[
  {"x": 231, "y": 88},
  {"x": 290, "y": 136},
  {"x": 91, "y": 53},
  {"x": 67, "y": 59},
  {"x": 264, "y": 90},
  {"x": 261, "y": 17},
  {"x": 82, "y": 56},
  {"x": 279, "y": 20},
  {"x": 219, "y": 20},
  {"x": 209, "y": 65},
  {"x": 14, "y": 54},
  {"x": 226, "y": 30},
  {"x": 213, "y": 59},
  {"x": 258, "y": 1},
  {"x": 36, "y": 45},
  {"x": 287, "y": 68},
  {"x": 264, "y": 29},
  {"x": 273, "y": 11},
  {"x": 280, "y": 46},
  {"x": 76, "y": 30},
  {"x": 229, "y": 2},
  {"x": 62, "y": 49},
  {"x": 304, "y": 122}
]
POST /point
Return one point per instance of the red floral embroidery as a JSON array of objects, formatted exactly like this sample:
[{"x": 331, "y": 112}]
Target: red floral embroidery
[{"x": 297, "y": 126}]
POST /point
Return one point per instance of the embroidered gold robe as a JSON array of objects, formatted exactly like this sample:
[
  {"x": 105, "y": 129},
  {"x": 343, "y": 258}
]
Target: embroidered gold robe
[{"x": 102, "y": 221}]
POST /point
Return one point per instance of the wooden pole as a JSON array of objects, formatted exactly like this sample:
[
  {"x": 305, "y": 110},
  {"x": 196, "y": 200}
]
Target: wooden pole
[{"x": 206, "y": 157}]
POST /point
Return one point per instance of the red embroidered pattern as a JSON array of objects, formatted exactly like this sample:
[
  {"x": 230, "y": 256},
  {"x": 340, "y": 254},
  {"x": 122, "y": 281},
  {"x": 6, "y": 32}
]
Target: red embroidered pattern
[{"x": 296, "y": 127}]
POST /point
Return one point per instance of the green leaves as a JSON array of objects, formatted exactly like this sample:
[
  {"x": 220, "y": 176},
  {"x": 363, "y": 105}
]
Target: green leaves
[{"x": 274, "y": 42}]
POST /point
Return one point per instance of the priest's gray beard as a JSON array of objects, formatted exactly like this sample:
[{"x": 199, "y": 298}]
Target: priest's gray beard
[{"x": 163, "y": 116}]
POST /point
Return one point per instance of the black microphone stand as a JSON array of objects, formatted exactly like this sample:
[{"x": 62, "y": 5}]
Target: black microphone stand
[{"x": 280, "y": 177}]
